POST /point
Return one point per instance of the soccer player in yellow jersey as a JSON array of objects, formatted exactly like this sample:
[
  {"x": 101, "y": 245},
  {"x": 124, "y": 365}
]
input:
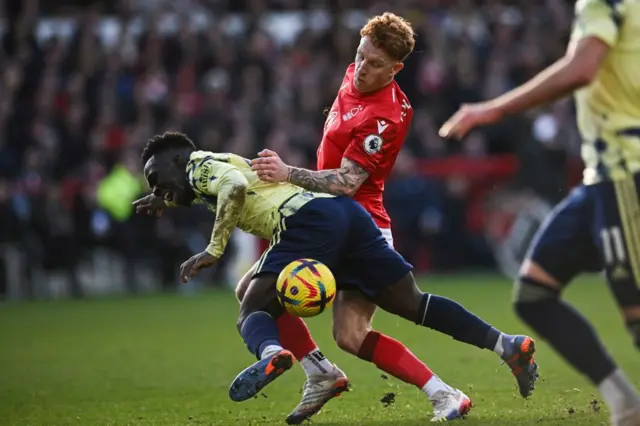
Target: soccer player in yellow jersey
[
  {"x": 598, "y": 225},
  {"x": 336, "y": 231}
]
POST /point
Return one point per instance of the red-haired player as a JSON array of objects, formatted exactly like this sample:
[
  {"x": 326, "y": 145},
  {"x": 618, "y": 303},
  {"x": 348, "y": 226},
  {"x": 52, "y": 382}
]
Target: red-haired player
[{"x": 363, "y": 134}]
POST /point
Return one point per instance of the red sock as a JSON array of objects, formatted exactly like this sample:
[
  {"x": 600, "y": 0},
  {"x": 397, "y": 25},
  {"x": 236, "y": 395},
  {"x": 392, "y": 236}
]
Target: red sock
[
  {"x": 394, "y": 358},
  {"x": 295, "y": 336}
]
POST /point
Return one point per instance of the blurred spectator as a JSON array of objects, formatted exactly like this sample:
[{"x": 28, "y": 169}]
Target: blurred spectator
[
  {"x": 79, "y": 97},
  {"x": 416, "y": 205}
]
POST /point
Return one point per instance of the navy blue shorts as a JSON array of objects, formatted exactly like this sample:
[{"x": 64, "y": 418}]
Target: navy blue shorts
[
  {"x": 340, "y": 233},
  {"x": 595, "y": 228}
]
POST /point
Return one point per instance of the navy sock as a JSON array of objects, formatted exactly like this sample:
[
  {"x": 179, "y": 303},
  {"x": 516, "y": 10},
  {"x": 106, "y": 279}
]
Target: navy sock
[
  {"x": 259, "y": 330},
  {"x": 451, "y": 318}
]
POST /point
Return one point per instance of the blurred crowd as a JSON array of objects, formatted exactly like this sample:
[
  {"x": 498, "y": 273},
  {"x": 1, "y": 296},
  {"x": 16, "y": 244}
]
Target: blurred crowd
[{"x": 83, "y": 87}]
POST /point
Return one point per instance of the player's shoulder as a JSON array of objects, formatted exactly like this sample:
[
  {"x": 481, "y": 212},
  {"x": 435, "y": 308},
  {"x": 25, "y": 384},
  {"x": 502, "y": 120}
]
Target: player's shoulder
[
  {"x": 200, "y": 158},
  {"x": 392, "y": 112},
  {"x": 606, "y": 3},
  {"x": 206, "y": 165},
  {"x": 613, "y": 8},
  {"x": 213, "y": 157},
  {"x": 351, "y": 68},
  {"x": 390, "y": 100},
  {"x": 348, "y": 77},
  {"x": 213, "y": 163}
]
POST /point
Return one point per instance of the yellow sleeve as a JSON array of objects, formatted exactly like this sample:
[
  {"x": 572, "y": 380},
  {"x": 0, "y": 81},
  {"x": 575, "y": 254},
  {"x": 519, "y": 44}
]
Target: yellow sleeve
[
  {"x": 598, "y": 18},
  {"x": 210, "y": 175},
  {"x": 225, "y": 182}
]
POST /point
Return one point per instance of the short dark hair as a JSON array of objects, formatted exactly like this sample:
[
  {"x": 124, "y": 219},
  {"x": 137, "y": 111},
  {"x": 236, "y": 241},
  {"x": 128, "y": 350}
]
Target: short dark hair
[
  {"x": 391, "y": 33},
  {"x": 165, "y": 141}
]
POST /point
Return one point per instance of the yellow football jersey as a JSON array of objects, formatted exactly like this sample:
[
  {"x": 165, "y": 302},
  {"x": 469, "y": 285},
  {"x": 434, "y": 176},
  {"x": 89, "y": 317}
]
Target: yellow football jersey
[
  {"x": 608, "y": 110},
  {"x": 265, "y": 206}
]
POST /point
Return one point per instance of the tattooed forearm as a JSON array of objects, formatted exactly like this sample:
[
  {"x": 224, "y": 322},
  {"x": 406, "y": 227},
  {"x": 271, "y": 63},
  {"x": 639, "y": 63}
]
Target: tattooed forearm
[
  {"x": 231, "y": 198},
  {"x": 343, "y": 181}
]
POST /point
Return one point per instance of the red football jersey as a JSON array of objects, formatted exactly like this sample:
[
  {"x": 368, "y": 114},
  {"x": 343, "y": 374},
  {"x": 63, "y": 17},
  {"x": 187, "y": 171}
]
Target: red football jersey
[{"x": 368, "y": 129}]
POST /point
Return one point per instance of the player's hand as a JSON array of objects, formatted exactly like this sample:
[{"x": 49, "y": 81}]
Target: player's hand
[
  {"x": 192, "y": 267},
  {"x": 270, "y": 167},
  {"x": 149, "y": 205},
  {"x": 468, "y": 117}
]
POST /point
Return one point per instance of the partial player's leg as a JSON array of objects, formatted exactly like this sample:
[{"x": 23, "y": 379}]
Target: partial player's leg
[
  {"x": 296, "y": 337},
  {"x": 316, "y": 231},
  {"x": 352, "y": 330},
  {"x": 243, "y": 284},
  {"x": 351, "y": 325},
  {"x": 384, "y": 276},
  {"x": 562, "y": 248},
  {"x": 352, "y": 316},
  {"x": 259, "y": 331},
  {"x": 620, "y": 244},
  {"x": 616, "y": 216},
  {"x": 320, "y": 388},
  {"x": 439, "y": 313}
]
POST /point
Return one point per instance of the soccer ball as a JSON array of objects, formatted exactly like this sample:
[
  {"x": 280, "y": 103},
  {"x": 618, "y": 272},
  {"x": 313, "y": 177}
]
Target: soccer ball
[{"x": 306, "y": 288}]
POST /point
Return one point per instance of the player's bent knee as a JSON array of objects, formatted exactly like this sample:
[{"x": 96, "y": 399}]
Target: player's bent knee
[
  {"x": 528, "y": 289},
  {"x": 259, "y": 296},
  {"x": 534, "y": 271},
  {"x": 352, "y": 317},
  {"x": 243, "y": 284},
  {"x": 350, "y": 338},
  {"x": 241, "y": 289},
  {"x": 403, "y": 298},
  {"x": 530, "y": 294},
  {"x": 349, "y": 331},
  {"x": 534, "y": 284}
]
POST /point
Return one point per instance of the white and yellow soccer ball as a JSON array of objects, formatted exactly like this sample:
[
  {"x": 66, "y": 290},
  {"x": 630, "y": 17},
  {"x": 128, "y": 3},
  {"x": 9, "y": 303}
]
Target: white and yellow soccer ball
[{"x": 306, "y": 287}]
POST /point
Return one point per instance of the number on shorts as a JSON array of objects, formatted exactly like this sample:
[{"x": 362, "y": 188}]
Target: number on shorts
[{"x": 613, "y": 245}]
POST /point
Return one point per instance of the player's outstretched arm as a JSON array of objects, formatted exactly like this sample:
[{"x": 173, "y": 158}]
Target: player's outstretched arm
[
  {"x": 576, "y": 69},
  {"x": 343, "y": 181},
  {"x": 230, "y": 189}
]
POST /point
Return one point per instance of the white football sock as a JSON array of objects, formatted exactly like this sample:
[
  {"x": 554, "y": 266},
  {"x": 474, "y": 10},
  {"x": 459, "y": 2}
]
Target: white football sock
[
  {"x": 618, "y": 393},
  {"x": 315, "y": 364},
  {"x": 498, "y": 348},
  {"x": 433, "y": 385},
  {"x": 270, "y": 350}
]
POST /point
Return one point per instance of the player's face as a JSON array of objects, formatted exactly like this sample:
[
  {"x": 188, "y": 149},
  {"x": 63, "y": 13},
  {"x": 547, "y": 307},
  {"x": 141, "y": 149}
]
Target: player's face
[
  {"x": 169, "y": 180},
  {"x": 374, "y": 68}
]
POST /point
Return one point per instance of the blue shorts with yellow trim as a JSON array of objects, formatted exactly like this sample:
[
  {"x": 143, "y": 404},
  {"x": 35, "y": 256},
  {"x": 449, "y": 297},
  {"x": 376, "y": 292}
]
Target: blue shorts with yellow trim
[
  {"x": 340, "y": 233},
  {"x": 596, "y": 227}
]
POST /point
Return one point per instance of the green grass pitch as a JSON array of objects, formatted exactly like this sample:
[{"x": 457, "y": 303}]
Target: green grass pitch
[{"x": 168, "y": 360}]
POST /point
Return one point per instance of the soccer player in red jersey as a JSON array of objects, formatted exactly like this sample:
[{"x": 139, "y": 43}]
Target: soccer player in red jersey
[{"x": 363, "y": 134}]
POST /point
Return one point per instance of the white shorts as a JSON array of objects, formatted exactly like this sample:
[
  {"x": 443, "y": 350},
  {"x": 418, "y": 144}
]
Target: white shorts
[{"x": 386, "y": 233}]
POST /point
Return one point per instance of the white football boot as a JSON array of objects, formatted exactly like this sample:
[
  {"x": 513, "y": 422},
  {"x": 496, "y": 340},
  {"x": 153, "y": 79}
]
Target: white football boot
[
  {"x": 318, "y": 390},
  {"x": 450, "y": 404}
]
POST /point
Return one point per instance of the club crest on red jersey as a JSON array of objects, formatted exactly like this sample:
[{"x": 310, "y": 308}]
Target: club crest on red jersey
[{"x": 331, "y": 120}]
